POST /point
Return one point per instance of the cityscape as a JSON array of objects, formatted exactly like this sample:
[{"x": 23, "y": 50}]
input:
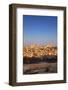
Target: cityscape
[{"x": 40, "y": 50}]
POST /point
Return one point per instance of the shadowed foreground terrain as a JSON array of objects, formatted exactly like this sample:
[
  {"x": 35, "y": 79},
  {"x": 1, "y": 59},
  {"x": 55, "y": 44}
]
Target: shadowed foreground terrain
[
  {"x": 40, "y": 68},
  {"x": 36, "y": 66}
]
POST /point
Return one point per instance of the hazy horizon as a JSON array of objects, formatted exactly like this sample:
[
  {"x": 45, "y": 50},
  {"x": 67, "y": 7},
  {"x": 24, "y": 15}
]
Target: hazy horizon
[{"x": 40, "y": 30}]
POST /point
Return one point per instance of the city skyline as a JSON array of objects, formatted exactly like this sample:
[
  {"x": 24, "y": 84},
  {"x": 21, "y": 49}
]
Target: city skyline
[{"x": 40, "y": 29}]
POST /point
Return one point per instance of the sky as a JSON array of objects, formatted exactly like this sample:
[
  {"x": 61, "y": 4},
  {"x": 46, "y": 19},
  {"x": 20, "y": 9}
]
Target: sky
[{"x": 39, "y": 29}]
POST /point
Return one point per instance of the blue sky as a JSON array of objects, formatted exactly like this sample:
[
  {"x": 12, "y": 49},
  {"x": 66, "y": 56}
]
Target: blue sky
[{"x": 40, "y": 29}]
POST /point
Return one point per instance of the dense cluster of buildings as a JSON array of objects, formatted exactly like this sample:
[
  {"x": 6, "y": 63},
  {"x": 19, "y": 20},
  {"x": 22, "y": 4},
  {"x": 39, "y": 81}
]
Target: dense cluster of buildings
[{"x": 39, "y": 50}]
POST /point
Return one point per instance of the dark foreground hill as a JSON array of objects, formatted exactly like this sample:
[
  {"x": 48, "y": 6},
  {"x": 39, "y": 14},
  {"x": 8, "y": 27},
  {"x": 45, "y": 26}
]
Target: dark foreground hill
[
  {"x": 46, "y": 64},
  {"x": 40, "y": 68}
]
